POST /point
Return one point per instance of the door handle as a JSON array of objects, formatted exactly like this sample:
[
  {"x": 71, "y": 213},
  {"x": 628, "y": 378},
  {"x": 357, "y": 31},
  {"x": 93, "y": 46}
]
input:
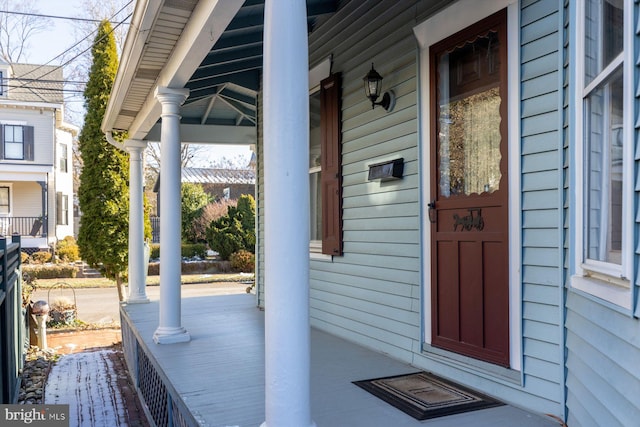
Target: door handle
[{"x": 432, "y": 211}]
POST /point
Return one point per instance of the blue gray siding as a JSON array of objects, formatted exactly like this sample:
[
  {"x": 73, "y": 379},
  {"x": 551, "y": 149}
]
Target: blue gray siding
[
  {"x": 602, "y": 341},
  {"x": 372, "y": 294},
  {"x": 541, "y": 203},
  {"x": 603, "y": 373}
]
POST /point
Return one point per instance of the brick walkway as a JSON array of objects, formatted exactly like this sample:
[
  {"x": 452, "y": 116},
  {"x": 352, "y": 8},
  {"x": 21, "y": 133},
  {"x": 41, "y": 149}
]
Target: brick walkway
[{"x": 91, "y": 377}]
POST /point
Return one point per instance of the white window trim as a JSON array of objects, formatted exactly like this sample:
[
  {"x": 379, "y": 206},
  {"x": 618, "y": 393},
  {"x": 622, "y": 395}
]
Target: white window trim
[
  {"x": 10, "y": 185},
  {"x": 604, "y": 280},
  {"x": 456, "y": 17}
]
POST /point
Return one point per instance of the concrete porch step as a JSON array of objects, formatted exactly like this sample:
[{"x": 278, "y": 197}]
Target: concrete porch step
[{"x": 84, "y": 271}]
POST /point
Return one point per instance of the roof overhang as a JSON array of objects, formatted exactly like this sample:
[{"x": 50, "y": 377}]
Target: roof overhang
[
  {"x": 167, "y": 42},
  {"x": 211, "y": 47}
]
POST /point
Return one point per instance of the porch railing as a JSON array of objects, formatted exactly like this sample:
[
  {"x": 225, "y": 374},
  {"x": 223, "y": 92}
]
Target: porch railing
[
  {"x": 12, "y": 318},
  {"x": 161, "y": 402},
  {"x": 33, "y": 226}
]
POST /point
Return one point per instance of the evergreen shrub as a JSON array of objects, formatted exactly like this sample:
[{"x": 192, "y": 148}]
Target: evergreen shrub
[
  {"x": 67, "y": 250},
  {"x": 243, "y": 261},
  {"x": 236, "y": 230},
  {"x": 40, "y": 257}
]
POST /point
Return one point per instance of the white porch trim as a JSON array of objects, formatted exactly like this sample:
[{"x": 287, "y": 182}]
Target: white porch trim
[
  {"x": 137, "y": 275},
  {"x": 286, "y": 153},
  {"x": 170, "y": 330}
]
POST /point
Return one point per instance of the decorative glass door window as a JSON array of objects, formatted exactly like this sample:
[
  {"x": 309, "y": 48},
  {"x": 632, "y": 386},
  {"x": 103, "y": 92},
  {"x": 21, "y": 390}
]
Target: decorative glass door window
[{"x": 469, "y": 135}]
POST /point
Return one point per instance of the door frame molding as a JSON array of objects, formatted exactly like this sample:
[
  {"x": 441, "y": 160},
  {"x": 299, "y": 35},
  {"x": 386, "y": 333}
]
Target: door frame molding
[{"x": 450, "y": 20}]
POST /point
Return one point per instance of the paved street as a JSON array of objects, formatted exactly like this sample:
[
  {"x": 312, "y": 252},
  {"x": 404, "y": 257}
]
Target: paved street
[{"x": 100, "y": 305}]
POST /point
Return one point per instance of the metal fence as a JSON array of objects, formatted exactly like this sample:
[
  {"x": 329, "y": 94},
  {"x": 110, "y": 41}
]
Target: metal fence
[
  {"x": 12, "y": 320},
  {"x": 155, "y": 229}
]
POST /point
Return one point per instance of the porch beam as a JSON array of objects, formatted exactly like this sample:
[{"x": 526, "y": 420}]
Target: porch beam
[
  {"x": 170, "y": 330},
  {"x": 286, "y": 175},
  {"x": 137, "y": 264}
]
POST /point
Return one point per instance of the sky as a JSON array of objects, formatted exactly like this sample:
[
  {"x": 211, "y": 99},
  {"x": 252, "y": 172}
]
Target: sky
[
  {"x": 45, "y": 46},
  {"x": 62, "y": 35}
]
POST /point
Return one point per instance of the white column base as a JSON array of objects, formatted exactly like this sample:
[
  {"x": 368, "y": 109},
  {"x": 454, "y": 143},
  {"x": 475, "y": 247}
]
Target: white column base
[
  {"x": 171, "y": 335},
  {"x": 137, "y": 299}
]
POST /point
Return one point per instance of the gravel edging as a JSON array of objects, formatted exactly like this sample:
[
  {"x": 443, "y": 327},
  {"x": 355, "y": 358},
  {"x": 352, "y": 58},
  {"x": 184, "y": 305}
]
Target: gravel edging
[{"x": 34, "y": 374}]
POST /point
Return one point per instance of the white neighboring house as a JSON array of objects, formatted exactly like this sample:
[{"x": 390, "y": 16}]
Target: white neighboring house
[{"x": 36, "y": 173}]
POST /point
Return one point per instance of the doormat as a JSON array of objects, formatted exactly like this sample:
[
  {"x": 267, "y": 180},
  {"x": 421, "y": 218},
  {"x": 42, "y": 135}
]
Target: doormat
[{"x": 424, "y": 395}]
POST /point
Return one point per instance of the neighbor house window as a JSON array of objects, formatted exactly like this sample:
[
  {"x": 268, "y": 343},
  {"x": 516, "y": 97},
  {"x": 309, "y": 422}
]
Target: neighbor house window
[
  {"x": 17, "y": 142},
  {"x": 5, "y": 206},
  {"x": 604, "y": 150},
  {"x": 1, "y": 83},
  {"x": 62, "y": 209},
  {"x": 325, "y": 175},
  {"x": 64, "y": 158},
  {"x": 13, "y": 142}
]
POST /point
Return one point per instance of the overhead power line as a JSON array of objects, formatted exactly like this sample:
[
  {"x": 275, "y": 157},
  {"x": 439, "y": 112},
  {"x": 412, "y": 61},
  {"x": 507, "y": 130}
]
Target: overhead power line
[
  {"x": 79, "y": 42},
  {"x": 70, "y": 18}
]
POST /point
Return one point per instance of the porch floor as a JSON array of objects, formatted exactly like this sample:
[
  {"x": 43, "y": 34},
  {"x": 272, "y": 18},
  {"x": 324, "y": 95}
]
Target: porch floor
[{"x": 219, "y": 374}]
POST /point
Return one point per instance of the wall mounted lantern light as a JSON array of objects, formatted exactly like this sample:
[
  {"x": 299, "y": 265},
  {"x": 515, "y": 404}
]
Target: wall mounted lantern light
[{"x": 373, "y": 87}]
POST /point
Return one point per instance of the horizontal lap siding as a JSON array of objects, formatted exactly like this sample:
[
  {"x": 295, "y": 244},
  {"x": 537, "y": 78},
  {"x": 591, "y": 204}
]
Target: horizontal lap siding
[
  {"x": 603, "y": 347},
  {"x": 27, "y": 198},
  {"x": 371, "y": 294},
  {"x": 541, "y": 183},
  {"x": 603, "y": 373},
  {"x": 43, "y": 121}
]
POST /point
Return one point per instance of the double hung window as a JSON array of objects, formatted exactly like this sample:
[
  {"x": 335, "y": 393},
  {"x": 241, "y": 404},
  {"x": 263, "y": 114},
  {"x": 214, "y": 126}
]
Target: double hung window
[
  {"x": 16, "y": 142},
  {"x": 64, "y": 158},
  {"x": 13, "y": 142},
  {"x": 604, "y": 150},
  {"x": 62, "y": 209},
  {"x": 5, "y": 200}
]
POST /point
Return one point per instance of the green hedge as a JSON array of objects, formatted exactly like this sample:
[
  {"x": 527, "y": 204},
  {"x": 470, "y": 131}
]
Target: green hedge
[
  {"x": 188, "y": 250},
  {"x": 50, "y": 271},
  {"x": 195, "y": 267}
]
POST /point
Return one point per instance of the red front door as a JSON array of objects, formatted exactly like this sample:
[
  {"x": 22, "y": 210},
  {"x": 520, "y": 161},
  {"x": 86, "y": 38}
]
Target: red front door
[{"x": 469, "y": 207}]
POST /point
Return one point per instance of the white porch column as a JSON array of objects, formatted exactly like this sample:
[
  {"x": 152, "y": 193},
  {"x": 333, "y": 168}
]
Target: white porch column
[
  {"x": 170, "y": 330},
  {"x": 286, "y": 154},
  {"x": 137, "y": 275}
]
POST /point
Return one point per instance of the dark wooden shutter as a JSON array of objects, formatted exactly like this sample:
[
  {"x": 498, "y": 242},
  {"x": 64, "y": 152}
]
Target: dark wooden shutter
[
  {"x": 59, "y": 208},
  {"x": 1, "y": 141},
  {"x": 331, "y": 176},
  {"x": 28, "y": 142}
]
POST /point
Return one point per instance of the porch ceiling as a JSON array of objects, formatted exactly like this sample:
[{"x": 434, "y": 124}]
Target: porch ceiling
[{"x": 212, "y": 48}]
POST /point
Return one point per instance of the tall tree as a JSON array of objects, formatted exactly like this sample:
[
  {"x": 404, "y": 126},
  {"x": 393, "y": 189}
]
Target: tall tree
[{"x": 104, "y": 189}]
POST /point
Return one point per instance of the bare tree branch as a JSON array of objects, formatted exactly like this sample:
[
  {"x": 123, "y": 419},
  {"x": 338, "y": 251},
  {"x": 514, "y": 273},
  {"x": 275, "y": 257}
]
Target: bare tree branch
[{"x": 17, "y": 29}]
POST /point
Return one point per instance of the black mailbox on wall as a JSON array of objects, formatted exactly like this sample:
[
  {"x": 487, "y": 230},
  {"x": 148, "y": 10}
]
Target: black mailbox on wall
[{"x": 386, "y": 171}]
